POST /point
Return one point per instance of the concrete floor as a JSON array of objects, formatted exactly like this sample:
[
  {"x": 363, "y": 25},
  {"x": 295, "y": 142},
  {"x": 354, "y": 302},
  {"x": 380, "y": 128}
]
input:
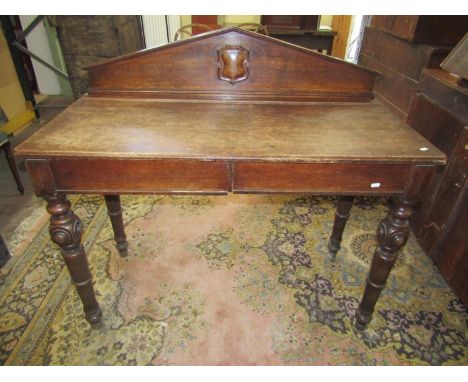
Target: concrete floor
[{"x": 14, "y": 207}]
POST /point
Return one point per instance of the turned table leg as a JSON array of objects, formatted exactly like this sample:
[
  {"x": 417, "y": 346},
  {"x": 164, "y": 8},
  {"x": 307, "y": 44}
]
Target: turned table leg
[
  {"x": 341, "y": 217},
  {"x": 393, "y": 232},
  {"x": 65, "y": 230},
  {"x": 114, "y": 211}
]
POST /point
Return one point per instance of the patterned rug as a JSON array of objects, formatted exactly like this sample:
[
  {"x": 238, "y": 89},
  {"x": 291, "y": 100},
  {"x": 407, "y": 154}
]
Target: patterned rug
[{"x": 233, "y": 280}]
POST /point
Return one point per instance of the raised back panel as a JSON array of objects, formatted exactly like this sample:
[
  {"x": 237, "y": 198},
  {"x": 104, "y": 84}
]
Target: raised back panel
[{"x": 197, "y": 69}]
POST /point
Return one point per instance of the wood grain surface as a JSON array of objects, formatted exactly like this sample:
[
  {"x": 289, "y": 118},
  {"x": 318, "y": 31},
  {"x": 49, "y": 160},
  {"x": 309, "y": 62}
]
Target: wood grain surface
[
  {"x": 189, "y": 69},
  {"x": 121, "y": 128}
]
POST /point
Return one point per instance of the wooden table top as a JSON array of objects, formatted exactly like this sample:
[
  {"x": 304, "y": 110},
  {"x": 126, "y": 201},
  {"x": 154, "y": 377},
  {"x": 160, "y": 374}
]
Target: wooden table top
[{"x": 139, "y": 128}]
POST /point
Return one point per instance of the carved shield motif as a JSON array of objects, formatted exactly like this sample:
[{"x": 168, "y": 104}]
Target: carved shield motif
[{"x": 233, "y": 61}]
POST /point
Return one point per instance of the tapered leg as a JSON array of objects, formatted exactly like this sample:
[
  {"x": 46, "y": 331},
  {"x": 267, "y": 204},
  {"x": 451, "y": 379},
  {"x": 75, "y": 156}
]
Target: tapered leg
[
  {"x": 11, "y": 162},
  {"x": 114, "y": 211},
  {"x": 393, "y": 232},
  {"x": 341, "y": 217},
  {"x": 65, "y": 230}
]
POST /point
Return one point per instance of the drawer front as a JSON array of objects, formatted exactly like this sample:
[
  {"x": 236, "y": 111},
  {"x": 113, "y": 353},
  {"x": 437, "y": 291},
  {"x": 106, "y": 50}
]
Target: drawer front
[
  {"x": 140, "y": 175},
  {"x": 357, "y": 178}
]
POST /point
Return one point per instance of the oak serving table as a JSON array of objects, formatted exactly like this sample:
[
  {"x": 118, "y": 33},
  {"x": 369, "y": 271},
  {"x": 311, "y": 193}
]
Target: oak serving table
[{"x": 228, "y": 111}]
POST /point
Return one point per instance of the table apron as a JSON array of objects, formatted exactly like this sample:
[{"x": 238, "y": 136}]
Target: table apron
[
  {"x": 354, "y": 178},
  {"x": 138, "y": 176}
]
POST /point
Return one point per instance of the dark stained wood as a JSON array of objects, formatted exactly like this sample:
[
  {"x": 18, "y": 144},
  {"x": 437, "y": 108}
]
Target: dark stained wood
[
  {"x": 453, "y": 260},
  {"x": 209, "y": 20},
  {"x": 400, "y": 63},
  {"x": 442, "y": 204},
  {"x": 300, "y": 30},
  {"x": 233, "y": 63},
  {"x": 440, "y": 113},
  {"x": 416, "y": 186},
  {"x": 111, "y": 128},
  {"x": 443, "y": 88},
  {"x": 188, "y": 69},
  {"x": 395, "y": 89},
  {"x": 320, "y": 40},
  {"x": 404, "y": 26},
  {"x": 341, "y": 217},
  {"x": 206, "y": 135},
  {"x": 139, "y": 176},
  {"x": 320, "y": 177},
  {"x": 290, "y": 22},
  {"x": 392, "y": 232},
  {"x": 383, "y": 23},
  {"x": 437, "y": 118},
  {"x": 402, "y": 114},
  {"x": 114, "y": 210},
  {"x": 447, "y": 29},
  {"x": 403, "y": 57},
  {"x": 434, "y": 123},
  {"x": 65, "y": 230},
  {"x": 42, "y": 179}
]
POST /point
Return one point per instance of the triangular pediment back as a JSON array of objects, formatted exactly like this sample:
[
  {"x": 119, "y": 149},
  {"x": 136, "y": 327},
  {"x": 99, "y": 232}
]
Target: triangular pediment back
[{"x": 232, "y": 64}]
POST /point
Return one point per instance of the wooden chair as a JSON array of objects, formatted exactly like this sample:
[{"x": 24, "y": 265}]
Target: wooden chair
[
  {"x": 187, "y": 29},
  {"x": 5, "y": 144},
  {"x": 4, "y": 253}
]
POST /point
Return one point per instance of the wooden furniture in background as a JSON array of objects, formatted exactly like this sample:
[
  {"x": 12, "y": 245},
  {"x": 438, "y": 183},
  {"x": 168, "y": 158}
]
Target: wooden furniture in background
[
  {"x": 439, "y": 112},
  {"x": 289, "y": 76},
  {"x": 254, "y": 27},
  {"x": 320, "y": 40},
  {"x": 400, "y": 63},
  {"x": 301, "y": 22},
  {"x": 228, "y": 111},
  {"x": 428, "y": 29}
]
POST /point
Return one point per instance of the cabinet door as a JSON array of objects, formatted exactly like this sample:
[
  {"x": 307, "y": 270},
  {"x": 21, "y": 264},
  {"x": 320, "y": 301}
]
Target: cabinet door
[{"x": 447, "y": 207}]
